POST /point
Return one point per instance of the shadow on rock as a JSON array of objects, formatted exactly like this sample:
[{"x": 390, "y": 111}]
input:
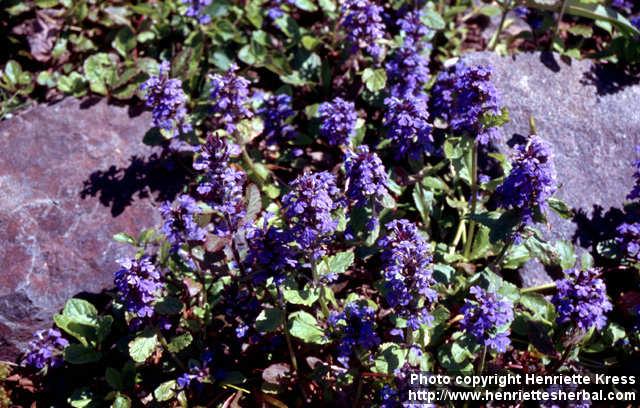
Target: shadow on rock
[
  {"x": 597, "y": 227},
  {"x": 610, "y": 78},
  {"x": 160, "y": 177}
]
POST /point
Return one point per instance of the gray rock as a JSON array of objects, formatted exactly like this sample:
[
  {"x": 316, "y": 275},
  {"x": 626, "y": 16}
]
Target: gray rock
[
  {"x": 593, "y": 123},
  {"x": 71, "y": 176}
]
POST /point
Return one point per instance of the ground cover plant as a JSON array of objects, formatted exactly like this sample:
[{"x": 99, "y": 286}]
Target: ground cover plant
[{"x": 347, "y": 218}]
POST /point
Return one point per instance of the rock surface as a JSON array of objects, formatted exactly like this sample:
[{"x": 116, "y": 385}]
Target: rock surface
[
  {"x": 592, "y": 121},
  {"x": 71, "y": 176}
]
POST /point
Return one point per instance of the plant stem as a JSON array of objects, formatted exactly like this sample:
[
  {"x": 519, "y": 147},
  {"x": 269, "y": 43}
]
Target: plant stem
[
  {"x": 503, "y": 252},
  {"x": 562, "y": 10},
  {"x": 506, "y": 7},
  {"x": 474, "y": 199},
  {"x": 165, "y": 345},
  {"x": 459, "y": 233},
  {"x": 287, "y": 336},
  {"x": 316, "y": 282},
  {"x": 482, "y": 360},
  {"x": 539, "y": 288},
  {"x": 246, "y": 159},
  {"x": 356, "y": 401}
]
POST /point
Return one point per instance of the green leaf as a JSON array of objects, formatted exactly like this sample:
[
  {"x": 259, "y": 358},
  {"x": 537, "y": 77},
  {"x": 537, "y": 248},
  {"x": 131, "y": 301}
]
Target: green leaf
[
  {"x": 310, "y": 42},
  {"x": 432, "y": 19},
  {"x": 124, "y": 42},
  {"x": 124, "y": 238},
  {"x": 560, "y": 207},
  {"x": 121, "y": 401},
  {"x": 293, "y": 294},
  {"x": 594, "y": 11},
  {"x": 179, "y": 343},
  {"x": 390, "y": 357},
  {"x": 305, "y": 327},
  {"x": 79, "y": 354},
  {"x": 423, "y": 201},
  {"x": 567, "y": 256},
  {"x": 80, "y": 311},
  {"x": 114, "y": 378},
  {"x": 306, "y": 5},
  {"x": 141, "y": 348},
  {"x": 336, "y": 264},
  {"x": 328, "y": 6},
  {"x": 269, "y": 320},
  {"x": 541, "y": 309},
  {"x": 73, "y": 84},
  {"x": 374, "y": 79},
  {"x": 165, "y": 391},
  {"x": 253, "y": 11},
  {"x": 581, "y": 30},
  {"x": 81, "y": 398},
  {"x": 99, "y": 71},
  {"x": 13, "y": 71},
  {"x": 168, "y": 306}
]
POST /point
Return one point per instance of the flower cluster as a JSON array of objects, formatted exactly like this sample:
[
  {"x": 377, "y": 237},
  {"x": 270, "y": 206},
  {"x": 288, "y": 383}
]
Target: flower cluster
[
  {"x": 367, "y": 179},
  {"x": 274, "y": 8},
  {"x": 270, "y": 252},
  {"x": 45, "y": 350},
  {"x": 628, "y": 240},
  {"x": 138, "y": 283},
  {"x": 408, "y": 67},
  {"x": 276, "y": 112},
  {"x": 230, "y": 95},
  {"x": 582, "y": 299},
  {"x": 531, "y": 181},
  {"x": 407, "y": 272},
  {"x": 355, "y": 328},
  {"x": 197, "y": 10},
  {"x": 221, "y": 186},
  {"x": 487, "y": 319},
  {"x": 309, "y": 208},
  {"x": 407, "y": 72},
  {"x": 198, "y": 373},
  {"x": 464, "y": 97},
  {"x": 408, "y": 123},
  {"x": 635, "y": 192},
  {"x": 167, "y": 101},
  {"x": 180, "y": 224},
  {"x": 338, "y": 121},
  {"x": 362, "y": 21}
]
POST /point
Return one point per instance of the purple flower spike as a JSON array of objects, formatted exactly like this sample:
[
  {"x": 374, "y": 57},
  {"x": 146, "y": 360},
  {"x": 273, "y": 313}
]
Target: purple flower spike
[
  {"x": 222, "y": 186},
  {"x": 486, "y": 318},
  {"x": 366, "y": 175},
  {"x": 338, "y": 121},
  {"x": 180, "y": 224},
  {"x": 138, "y": 283},
  {"x": 407, "y": 272},
  {"x": 531, "y": 181},
  {"x": 45, "y": 350},
  {"x": 230, "y": 95},
  {"x": 362, "y": 21},
  {"x": 409, "y": 128},
  {"x": 196, "y": 10},
  {"x": 276, "y": 112},
  {"x": 463, "y": 97},
  {"x": 628, "y": 240},
  {"x": 309, "y": 209},
  {"x": 355, "y": 327},
  {"x": 582, "y": 299},
  {"x": 167, "y": 102}
]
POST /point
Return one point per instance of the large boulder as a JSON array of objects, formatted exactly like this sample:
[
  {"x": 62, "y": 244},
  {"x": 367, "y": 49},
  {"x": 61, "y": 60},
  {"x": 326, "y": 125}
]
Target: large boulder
[
  {"x": 592, "y": 120},
  {"x": 71, "y": 176}
]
